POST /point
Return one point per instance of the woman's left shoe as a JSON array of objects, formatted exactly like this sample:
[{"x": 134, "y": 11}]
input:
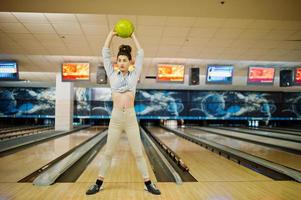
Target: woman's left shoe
[
  {"x": 94, "y": 189},
  {"x": 152, "y": 189}
]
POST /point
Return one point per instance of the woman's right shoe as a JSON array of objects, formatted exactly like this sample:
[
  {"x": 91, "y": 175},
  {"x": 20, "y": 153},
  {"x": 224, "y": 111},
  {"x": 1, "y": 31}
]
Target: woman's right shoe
[
  {"x": 152, "y": 189},
  {"x": 93, "y": 189}
]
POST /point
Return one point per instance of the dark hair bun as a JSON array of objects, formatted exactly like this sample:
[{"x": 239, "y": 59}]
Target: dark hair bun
[{"x": 125, "y": 48}]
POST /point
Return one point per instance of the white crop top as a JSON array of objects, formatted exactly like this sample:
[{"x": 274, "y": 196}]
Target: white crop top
[{"x": 118, "y": 82}]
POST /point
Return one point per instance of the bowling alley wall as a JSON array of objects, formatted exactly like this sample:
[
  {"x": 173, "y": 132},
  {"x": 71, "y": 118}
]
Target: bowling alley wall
[{"x": 96, "y": 103}]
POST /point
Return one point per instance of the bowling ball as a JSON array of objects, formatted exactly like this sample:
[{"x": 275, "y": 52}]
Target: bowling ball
[{"x": 124, "y": 28}]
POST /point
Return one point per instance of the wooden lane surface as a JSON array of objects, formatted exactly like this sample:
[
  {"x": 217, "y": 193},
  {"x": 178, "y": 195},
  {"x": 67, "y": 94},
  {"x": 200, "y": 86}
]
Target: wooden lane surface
[
  {"x": 203, "y": 164},
  {"x": 22, "y": 133},
  {"x": 15, "y": 128},
  {"x": 245, "y": 190},
  {"x": 284, "y": 130},
  {"x": 265, "y": 133},
  {"x": 272, "y": 154},
  {"x": 123, "y": 167},
  {"x": 278, "y": 142},
  {"x": 16, "y": 166}
]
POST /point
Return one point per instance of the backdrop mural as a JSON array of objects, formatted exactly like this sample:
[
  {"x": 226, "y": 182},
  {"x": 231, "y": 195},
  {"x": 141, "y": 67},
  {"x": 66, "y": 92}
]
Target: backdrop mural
[
  {"x": 156, "y": 104},
  {"x": 27, "y": 102}
]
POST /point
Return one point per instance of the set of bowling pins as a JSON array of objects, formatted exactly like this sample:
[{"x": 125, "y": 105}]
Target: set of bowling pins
[
  {"x": 253, "y": 123},
  {"x": 170, "y": 123}
]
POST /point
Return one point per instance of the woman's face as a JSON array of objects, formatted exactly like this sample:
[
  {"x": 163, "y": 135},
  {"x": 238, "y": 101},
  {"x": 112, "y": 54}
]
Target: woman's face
[{"x": 123, "y": 63}]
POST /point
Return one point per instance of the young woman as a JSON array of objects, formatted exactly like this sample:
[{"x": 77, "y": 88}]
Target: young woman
[{"x": 123, "y": 85}]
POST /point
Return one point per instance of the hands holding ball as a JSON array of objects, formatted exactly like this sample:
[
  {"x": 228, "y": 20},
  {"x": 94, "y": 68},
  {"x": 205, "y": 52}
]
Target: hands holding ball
[{"x": 123, "y": 28}]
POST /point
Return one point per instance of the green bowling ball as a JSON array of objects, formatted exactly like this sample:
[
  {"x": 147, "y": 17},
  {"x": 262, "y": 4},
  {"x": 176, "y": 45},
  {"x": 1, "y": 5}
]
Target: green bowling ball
[{"x": 124, "y": 28}]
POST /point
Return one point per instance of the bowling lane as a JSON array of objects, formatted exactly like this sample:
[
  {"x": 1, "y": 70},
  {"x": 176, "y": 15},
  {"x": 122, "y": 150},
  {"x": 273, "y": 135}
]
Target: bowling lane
[
  {"x": 275, "y": 155},
  {"x": 276, "y": 130},
  {"x": 294, "y": 129},
  {"x": 265, "y": 133},
  {"x": 123, "y": 167},
  {"x": 256, "y": 138},
  {"x": 18, "y": 165},
  {"x": 205, "y": 165}
]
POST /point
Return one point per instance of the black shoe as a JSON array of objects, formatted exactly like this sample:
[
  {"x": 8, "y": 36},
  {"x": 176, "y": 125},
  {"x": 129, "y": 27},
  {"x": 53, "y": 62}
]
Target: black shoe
[
  {"x": 152, "y": 189},
  {"x": 94, "y": 189}
]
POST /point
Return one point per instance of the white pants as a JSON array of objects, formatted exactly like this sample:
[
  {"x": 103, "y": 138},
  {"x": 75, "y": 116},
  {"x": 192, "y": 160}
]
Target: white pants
[{"x": 124, "y": 120}]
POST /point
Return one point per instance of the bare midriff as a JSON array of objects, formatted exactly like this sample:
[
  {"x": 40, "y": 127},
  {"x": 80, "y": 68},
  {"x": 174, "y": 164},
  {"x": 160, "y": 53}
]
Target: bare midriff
[{"x": 123, "y": 100}]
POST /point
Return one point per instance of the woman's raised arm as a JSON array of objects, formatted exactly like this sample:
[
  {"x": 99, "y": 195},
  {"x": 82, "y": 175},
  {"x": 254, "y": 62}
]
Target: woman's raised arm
[
  {"x": 106, "y": 54},
  {"x": 136, "y": 41},
  {"x": 109, "y": 39},
  {"x": 139, "y": 56}
]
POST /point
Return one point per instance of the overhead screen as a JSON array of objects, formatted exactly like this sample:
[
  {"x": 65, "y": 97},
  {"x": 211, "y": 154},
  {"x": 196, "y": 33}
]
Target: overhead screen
[
  {"x": 9, "y": 71},
  {"x": 75, "y": 72},
  {"x": 170, "y": 73},
  {"x": 261, "y": 75},
  {"x": 221, "y": 74}
]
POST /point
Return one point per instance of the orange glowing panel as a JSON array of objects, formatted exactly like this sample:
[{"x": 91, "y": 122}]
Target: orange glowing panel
[
  {"x": 170, "y": 73},
  {"x": 75, "y": 72},
  {"x": 261, "y": 75},
  {"x": 298, "y": 76}
]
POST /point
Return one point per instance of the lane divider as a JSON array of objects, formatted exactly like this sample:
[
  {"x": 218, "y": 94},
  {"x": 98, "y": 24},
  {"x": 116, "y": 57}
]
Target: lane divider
[{"x": 175, "y": 174}]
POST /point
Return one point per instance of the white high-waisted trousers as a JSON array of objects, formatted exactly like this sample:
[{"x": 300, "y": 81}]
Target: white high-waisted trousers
[{"x": 124, "y": 119}]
